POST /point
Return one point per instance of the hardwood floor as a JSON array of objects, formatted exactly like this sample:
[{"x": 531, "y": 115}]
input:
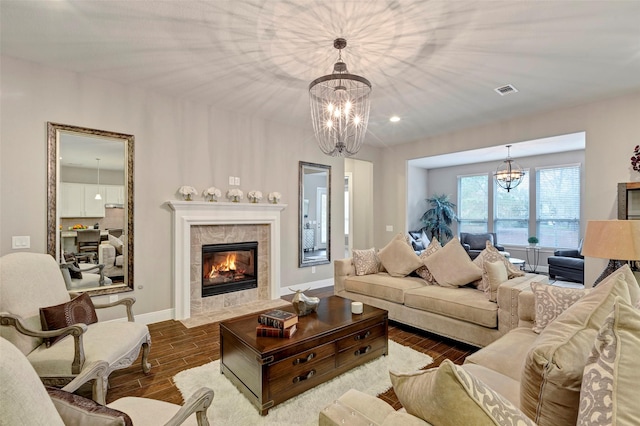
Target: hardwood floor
[{"x": 175, "y": 348}]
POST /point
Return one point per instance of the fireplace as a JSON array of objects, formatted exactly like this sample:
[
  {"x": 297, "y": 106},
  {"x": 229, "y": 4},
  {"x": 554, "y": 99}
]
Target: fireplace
[{"x": 229, "y": 267}]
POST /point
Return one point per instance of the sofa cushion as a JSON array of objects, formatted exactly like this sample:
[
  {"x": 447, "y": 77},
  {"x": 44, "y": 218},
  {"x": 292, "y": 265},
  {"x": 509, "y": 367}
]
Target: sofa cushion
[
  {"x": 504, "y": 385},
  {"x": 366, "y": 261},
  {"x": 423, "y": 271},
  {"x": 467, "y": 304},
  {"x": 451, "y": 266},
  {"x": 383, "y": 286},
  {"x": 450, "y": 396},
  {"x": 117, "y": 243},
  {"x": 507, "y": 354},
  {"x": 550, "y": 301},
  {"x": 491, "y": 254},
  {"x": 609, "y": 385},
  {"x": 493, "y": 274},
  {"x": 398, "y": 257},
  {"x": 550, "y": 386}
]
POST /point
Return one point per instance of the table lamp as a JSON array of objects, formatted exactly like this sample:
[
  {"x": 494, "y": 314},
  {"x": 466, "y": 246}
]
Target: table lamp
[{"x": 616, "y": 240}]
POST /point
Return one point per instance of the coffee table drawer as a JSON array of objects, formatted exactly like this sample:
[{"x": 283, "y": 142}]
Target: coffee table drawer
[
  {"x": 302, "y": 377},
  {"x": 362, "y": 337},
  {"x": 298, "y": 363},
  {"x": 369, "y": 349}
]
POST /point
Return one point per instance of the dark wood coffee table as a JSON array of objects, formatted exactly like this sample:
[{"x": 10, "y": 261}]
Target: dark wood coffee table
[{"x": 270, "y": 370}]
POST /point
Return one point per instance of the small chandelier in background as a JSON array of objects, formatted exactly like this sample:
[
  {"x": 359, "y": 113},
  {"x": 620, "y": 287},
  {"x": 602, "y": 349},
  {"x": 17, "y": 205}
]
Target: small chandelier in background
[
  {"x": 340, "y": 108},
  {"x": 98, "y": 196},
  {"x": 509, "y": 174}
]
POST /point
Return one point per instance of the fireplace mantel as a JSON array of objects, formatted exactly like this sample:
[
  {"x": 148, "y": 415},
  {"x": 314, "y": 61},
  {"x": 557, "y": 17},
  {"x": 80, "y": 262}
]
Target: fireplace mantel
[{"x": 192, "y": 213}]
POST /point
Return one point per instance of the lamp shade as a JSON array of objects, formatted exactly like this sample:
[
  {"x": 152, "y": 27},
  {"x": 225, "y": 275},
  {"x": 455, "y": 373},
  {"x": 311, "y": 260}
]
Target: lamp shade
[{"x": 612, "y": 239}]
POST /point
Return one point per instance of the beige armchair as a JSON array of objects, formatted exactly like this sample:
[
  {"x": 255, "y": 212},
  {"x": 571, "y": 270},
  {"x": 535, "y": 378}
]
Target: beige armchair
[
  {"x": 26, "y": 401},
  {"x": 30, "y": 281}
]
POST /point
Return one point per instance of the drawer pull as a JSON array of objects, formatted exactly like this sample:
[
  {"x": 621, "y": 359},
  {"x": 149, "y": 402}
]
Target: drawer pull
[
  {"x": 362, "y": 351},
  {"x": 362, "y": 336},
  {"x": 311, "y": 356},
  {"x": 307, "y": 376}
]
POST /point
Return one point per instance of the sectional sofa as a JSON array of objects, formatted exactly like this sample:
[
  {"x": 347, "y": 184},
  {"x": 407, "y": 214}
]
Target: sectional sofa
[
  {"x": 572, "y": 360},
  {"x": 460, "y": 312}
]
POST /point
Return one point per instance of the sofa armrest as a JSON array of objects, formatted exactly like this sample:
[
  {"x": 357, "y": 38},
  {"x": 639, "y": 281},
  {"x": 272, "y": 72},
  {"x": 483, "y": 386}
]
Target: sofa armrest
[
  {"x": 567, "y": 253},
  {"x": 509, "y": 299},
  {"x": 499, "y": 248},
  {"x": 342, "y": 268},
  {"x": 107, "y": 254},
  {"x": 526, "y": 308}
]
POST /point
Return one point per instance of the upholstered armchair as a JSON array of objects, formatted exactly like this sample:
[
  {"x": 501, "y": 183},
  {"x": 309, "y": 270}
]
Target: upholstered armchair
[
  {"x": 26, "y": 401},
  {"x": 567, "y": 263},
  {"x": 475, "y": 243},
  {"x": 31, "y": 281}
]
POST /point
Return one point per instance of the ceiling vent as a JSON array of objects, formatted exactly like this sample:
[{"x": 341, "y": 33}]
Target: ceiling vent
[{"x": 505, "y": 90}]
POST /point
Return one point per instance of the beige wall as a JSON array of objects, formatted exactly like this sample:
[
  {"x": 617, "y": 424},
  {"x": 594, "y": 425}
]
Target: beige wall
[
  {"x": 176, "y": 143},
  {"x": 612, "y": 129}
]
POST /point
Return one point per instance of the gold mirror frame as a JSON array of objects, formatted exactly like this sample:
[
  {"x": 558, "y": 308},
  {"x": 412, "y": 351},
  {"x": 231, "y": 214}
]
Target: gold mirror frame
[
  {"x": 54, "y": 130},
  {"x": 307, "y": 213}
]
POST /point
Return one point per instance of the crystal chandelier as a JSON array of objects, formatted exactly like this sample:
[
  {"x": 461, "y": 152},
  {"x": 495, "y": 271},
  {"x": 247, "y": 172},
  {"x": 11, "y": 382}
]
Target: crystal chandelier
[
  {"x": 509, "y": 174},
  {"x": 340, "y": 108}
]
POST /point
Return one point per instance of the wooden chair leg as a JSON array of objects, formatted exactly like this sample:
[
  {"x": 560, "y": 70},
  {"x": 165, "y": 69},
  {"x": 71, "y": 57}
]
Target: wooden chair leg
[
  {"x": 100, "y": 385},
  {"x": 146, "y": 366}
]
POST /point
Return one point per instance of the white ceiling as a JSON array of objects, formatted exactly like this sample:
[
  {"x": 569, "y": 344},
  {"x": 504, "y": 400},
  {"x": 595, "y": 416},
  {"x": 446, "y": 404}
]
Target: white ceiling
[{"x": 433, "y": 63}]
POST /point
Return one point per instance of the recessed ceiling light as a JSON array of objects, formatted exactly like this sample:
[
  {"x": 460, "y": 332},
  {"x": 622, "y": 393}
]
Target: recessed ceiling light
[{"x": 394, "y": 119}]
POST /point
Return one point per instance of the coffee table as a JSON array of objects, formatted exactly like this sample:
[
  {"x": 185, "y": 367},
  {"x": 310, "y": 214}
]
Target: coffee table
[{"x": 270, "y": 370}]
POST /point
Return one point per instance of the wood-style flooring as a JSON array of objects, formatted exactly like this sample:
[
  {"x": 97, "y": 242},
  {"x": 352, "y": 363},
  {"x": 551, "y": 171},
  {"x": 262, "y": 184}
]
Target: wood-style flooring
[{"x": 175, "y": 348}]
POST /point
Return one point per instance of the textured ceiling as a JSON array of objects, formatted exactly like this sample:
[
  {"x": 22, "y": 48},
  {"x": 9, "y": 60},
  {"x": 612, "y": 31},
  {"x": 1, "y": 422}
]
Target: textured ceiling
[{"x": 433, "y": 63}]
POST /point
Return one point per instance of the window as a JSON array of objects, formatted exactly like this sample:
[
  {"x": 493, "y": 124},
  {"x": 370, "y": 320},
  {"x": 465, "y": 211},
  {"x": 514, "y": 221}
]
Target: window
[
  {"x": 511, "y": 222},
  {"x": 558, "y": 206},
  {"x": 473, "y": 203}
]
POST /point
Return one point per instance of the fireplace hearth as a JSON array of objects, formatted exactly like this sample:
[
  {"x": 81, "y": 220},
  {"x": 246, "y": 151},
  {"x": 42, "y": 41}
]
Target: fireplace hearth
[{"x": 228, "y": 268}]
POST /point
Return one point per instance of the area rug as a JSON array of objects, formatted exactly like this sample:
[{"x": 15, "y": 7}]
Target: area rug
[{"x": 230, "y": 407}]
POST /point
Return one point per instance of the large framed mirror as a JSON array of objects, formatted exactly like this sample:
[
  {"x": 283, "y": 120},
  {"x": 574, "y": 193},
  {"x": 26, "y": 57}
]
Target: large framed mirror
[
  {"x": 314, "y": 212},
  {"x": 90, "y": 207}
]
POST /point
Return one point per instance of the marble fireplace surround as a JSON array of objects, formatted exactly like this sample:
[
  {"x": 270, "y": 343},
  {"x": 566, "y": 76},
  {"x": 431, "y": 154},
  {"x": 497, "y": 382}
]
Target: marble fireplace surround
[{"x": 199, "y": 213}]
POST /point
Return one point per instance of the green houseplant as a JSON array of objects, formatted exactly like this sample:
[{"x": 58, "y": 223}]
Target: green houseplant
[
  {"x": 438, "y": 219},
  {"x": 533, "y": 240}
]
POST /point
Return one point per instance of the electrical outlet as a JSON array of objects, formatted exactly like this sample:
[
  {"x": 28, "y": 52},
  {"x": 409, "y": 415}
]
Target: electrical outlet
[{"x": 22, "y": 242}]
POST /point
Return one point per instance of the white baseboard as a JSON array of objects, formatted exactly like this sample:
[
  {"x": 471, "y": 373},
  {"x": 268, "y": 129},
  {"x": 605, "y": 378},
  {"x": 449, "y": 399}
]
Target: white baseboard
[
  {"x": 150, "y": 317},
  {"x": 310, "y": 285}
]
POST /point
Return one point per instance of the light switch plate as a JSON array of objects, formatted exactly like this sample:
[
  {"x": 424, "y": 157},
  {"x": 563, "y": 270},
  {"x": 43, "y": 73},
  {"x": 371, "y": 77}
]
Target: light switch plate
[
  {"x": 231, "y": 180},
  {"x": 237, "y": 181},
  {"x": 389, "y": 228},
  {"x": 21, "y": 242}
]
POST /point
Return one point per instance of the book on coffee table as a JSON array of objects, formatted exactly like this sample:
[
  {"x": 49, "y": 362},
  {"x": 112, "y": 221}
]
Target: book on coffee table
[
  {"x": 278, "y": 319},
  {"x": 266, "y": 331}
]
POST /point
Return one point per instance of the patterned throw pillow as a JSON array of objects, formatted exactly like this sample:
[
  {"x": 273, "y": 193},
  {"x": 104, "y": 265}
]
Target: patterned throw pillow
[
  {"x": 450, "y": 396},
  {"x": 423, "y": 271},
  {"x": 78, "y": 310},
  {"x": 83, "y": 410},
  {"x": 608, "y": 395},
  {"x": 366, "y": 261},
  {"x": 71, "y": 258},
  {"x": 492, "y": 254},
  {"x": 550, "y": 301}
]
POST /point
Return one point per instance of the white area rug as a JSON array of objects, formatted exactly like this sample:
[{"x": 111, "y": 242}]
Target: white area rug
[{"x": 230, "y": 407}]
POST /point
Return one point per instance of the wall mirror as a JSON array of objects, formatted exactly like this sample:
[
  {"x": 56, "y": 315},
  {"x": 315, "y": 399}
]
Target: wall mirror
[
  {"x": 314, "y": 210},
  {"x": 90, "y": 207}
]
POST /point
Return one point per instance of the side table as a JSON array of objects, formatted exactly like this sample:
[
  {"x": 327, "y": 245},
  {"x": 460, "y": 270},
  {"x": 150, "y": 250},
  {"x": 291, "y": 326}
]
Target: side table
[{"x": 533, "y": 256}]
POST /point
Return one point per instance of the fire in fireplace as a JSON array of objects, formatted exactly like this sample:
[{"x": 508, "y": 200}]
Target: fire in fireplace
[{"x": 229, "y": 267}]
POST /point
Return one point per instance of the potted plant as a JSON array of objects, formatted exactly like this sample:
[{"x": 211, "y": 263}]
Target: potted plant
[
  {"x": 438, "y": 219},
  {"x": 533, "y": 240}
]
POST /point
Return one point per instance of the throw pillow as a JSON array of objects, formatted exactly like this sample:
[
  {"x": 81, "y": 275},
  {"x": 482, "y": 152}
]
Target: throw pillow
[
  {"x": 71, "y": 259},
  {"x": 78, "y": 310},
  {"x": 450, "y": 396},
  {"x": 76, "y": 409},
  {"x": 608, "y": 394},
  {"x": 423, "y": 271},
  {"x": 550, "y": 301},
  {"x": 398, "y": 258},
  {"x": 494, "y": 273},
  {"x": 451, "y": 265},
  {"x": 553, "y": 369},
  {"x": 492, "y": 254},
  {"x": 117, "y": 243},
  {"x": 366, "y": 261}
]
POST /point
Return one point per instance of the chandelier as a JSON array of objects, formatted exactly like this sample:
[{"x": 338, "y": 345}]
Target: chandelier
[
  {"x": 340, "y": 108},
  {"x": 509, "y": 174}
]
